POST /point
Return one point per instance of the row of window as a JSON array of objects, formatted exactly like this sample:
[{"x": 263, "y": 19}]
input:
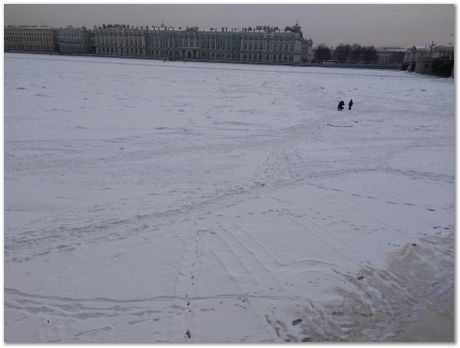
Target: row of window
[
  {"x": 109, "y": 42},
  {"x": 236, "y": 36},
  {"x": 158, "y": 43},
  {"x": 112, "y": 34},
  {"x": 72, "y": 49},
  {"x": 268, "y": 46},
  {"x": 281, "y": 58},
  {"x": 71, "y": 37},
  {"x": 74, "y": 45},
  {"x": 75, "y": 42},
  {"x": 35, "y": 47},
  {"x": 29, "y": 39},
  {"x": 268, "y": 57},
  {"x": 217, "y": 39},
  {"x": 117, "y": 51},
  {"x": 8, "y": 34},
  {"x": 203, "y": 45},
  {"x": 222, "y": 45}
]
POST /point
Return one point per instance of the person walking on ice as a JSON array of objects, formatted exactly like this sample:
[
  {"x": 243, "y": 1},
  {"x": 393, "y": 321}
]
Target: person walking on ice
[
  {"x": 340, "y": 106},
  {"x": 350, "y": 104}
]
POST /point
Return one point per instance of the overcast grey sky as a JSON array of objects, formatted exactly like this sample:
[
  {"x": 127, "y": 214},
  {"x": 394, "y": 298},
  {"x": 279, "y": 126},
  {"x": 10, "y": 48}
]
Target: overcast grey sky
[{"x": 365, "y": 24}]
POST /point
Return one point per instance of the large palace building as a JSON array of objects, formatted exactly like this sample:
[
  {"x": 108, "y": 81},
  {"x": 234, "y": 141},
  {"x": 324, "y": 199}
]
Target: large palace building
[
  {"x": 261, "y": 44},
  {"x": 25, "y": 38}
]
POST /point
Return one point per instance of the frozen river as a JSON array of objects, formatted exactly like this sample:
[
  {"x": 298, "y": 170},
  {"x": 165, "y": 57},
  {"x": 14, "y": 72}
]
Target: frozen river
[{"x": 151, "y": 201}]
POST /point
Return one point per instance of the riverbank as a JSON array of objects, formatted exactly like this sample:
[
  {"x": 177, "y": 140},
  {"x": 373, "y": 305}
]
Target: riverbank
[{"x": 436, "y": 324}]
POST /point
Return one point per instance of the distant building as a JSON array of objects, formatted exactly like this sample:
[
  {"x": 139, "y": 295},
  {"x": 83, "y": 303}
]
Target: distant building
[
  {"x": 30, "y": 38},
  {"x": 119, "y": 40},
  {"x": 307, "y": 52},
  {"x": 260, "y": 44},
  {"x": 192, "y": 44},
  {"x": 75, "y": 41},
  {"x": 271, "y": 47},
  {"x": 409, "y": 59},
  {"x": 391, "y": 55}
]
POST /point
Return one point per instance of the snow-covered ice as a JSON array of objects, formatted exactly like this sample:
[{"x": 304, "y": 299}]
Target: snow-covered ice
[{"x": 150, "y": 201}]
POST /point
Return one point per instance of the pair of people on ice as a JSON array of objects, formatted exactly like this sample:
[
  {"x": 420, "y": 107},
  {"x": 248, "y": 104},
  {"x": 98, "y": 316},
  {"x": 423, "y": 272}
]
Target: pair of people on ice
[{"x": 342, "y": 104}]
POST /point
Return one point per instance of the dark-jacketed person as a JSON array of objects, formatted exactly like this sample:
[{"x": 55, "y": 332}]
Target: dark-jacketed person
[
  {"x": 350, "y": 104},
  {"x": 341, "y": 105}
]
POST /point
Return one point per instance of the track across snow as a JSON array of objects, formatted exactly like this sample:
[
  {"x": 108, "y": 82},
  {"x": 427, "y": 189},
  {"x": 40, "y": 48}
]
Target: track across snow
[{"x": 150, "y": 201}]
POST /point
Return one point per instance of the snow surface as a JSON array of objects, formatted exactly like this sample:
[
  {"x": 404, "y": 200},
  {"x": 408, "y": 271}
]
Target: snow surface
[{"x": 150, "y": 201}]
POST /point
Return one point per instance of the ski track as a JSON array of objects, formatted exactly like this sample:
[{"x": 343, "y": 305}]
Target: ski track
[{"x": 257, "y": 203}]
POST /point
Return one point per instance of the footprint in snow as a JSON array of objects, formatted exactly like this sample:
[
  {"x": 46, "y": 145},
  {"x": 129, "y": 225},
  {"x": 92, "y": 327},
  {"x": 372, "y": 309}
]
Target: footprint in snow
[{"x": 297, "y": 322}]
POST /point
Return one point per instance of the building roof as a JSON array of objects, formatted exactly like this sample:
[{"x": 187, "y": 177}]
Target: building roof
[
  {"x": 444, "y": 47},
  {"x": 391, "y": 49}
]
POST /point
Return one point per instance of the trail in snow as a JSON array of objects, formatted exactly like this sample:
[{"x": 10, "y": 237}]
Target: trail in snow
[{"x": 196, "y": 202}]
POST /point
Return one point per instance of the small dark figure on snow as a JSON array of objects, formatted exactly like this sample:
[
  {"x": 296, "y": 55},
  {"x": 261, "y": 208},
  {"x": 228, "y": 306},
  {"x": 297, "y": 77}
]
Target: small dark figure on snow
[
  {"x": 341, "y": 105},
  {"x": 350, "y": 104}
]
